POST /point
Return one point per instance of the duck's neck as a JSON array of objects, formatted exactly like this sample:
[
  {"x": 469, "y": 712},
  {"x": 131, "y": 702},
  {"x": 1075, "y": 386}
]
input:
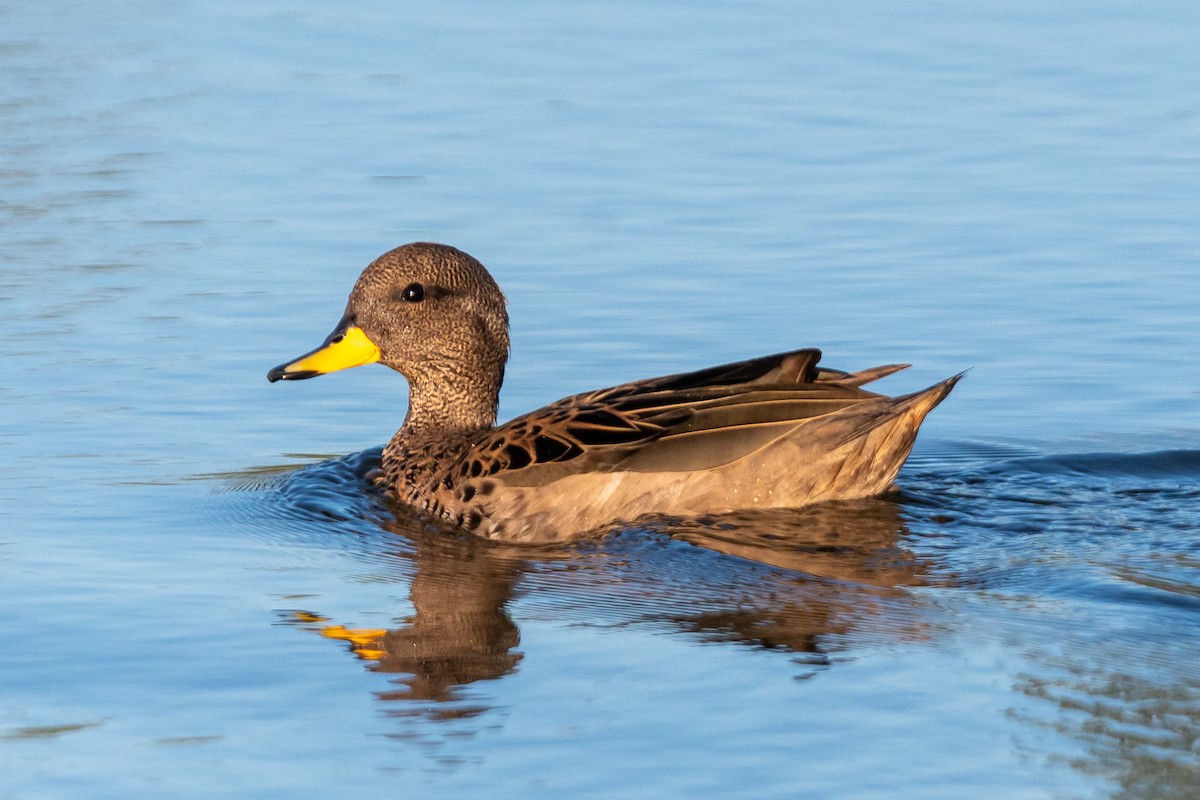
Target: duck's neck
[{"x": 446, "y": 404}]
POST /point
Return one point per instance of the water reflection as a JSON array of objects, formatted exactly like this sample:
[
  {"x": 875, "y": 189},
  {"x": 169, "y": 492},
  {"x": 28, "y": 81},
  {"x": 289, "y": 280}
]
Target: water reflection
[
  {"x": 1140, "y": 734},
  {"x": 852, "y": 541},
  {"x": 806, "y": 582},
  {"x": 817, "y": 586},
  {"x": 460, "y": 631}
]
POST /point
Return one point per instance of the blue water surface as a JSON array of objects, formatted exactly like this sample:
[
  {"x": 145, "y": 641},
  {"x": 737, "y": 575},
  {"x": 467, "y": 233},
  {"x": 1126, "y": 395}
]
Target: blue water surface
[{"x": 201, "y": 597}]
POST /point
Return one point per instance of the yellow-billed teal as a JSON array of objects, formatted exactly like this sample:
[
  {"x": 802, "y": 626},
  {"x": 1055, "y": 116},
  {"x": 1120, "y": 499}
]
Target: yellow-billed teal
[{"x": 775, "y": 431}]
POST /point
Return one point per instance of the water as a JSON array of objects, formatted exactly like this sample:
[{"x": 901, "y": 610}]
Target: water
[{"x": 200, "y": 598}]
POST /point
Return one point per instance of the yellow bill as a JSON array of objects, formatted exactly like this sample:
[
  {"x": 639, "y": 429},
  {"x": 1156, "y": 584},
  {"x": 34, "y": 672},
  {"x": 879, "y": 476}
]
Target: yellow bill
[{"x": 346, "y": 347}]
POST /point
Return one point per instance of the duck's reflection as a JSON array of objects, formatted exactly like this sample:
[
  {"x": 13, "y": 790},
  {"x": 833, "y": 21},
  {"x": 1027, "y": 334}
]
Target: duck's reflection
[
  {"x": 806, "y": 581},
  {"x": 460, "y": 631},
  {"x": 801, "y": 580}
]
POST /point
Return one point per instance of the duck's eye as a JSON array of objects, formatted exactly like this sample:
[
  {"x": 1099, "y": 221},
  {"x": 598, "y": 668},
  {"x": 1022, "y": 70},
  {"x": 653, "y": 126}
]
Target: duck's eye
[{"x": 413, "y": 293}]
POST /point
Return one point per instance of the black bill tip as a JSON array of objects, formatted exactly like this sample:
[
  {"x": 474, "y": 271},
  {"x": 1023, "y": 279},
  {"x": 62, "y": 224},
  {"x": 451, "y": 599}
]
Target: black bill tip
[{"x": 281, "y": 373}]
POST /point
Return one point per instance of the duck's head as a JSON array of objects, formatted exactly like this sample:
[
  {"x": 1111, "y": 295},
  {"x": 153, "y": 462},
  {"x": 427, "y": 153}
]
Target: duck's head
[{"x": 434, "y": 314}]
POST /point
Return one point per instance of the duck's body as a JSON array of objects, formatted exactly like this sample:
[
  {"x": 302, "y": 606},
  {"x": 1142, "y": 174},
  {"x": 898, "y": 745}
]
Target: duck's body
[{"x": 776, "y": 431}]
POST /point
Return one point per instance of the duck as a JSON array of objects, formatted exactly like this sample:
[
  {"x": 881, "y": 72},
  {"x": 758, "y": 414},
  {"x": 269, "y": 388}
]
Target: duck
[{"x": 776, "y": 431}]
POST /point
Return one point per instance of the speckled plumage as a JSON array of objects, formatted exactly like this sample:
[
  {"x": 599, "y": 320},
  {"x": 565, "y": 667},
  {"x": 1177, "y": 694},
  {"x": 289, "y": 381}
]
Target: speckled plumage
[{"x": 775, "y": 431}]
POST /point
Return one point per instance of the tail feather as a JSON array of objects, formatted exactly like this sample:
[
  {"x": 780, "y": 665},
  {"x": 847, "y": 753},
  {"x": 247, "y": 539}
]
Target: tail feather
[
  {"x": 860, "y": 378},
  {"x": 853, "y": 453}
]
